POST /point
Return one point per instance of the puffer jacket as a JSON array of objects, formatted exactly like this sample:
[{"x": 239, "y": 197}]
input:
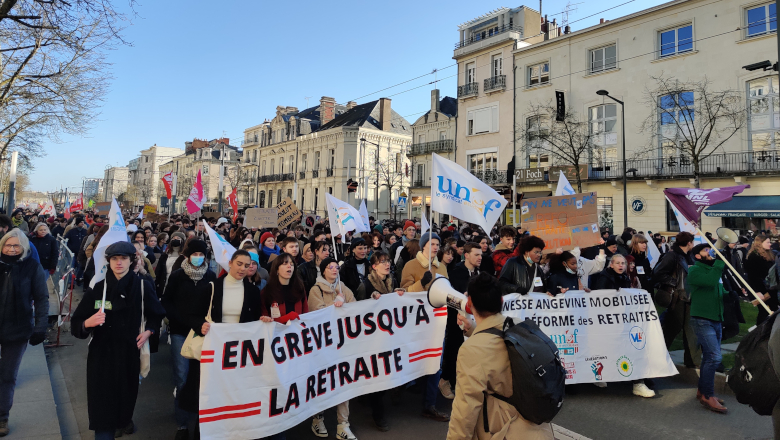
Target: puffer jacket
[
  {"x": 500, "y": 255},
  {"x": 324, "y": 294}
]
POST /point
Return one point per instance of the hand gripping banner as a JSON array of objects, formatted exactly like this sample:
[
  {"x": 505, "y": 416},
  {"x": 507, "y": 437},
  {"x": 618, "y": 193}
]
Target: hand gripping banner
[{"x": 259, "y": 379}]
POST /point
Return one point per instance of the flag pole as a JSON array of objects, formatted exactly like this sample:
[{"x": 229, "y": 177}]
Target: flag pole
[{"x": 725, "y": 260}]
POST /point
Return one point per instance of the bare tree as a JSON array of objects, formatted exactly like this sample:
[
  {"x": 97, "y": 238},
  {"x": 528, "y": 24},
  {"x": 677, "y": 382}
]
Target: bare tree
[
  {"x": 53, "y": 72},
  {"x": 387, "y": 172},
  {"x": 567, "y": 142},
  {"x": 690, "y": 120}
]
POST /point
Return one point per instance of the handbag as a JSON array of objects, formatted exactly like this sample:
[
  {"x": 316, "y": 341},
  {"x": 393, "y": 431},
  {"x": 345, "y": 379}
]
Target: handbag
[
  {"x": 193, "y": 345},
  {"x": 146, "y": 354}
]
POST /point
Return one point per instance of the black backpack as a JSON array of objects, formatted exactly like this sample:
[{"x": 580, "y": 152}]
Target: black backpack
[
  {"x": 753, "y": 378},
  {"x": 538, "y": 377}
]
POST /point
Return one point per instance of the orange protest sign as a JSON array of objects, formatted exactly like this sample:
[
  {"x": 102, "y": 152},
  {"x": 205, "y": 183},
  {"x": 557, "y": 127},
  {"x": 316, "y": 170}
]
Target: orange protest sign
[{"x": 562, "y": 222}]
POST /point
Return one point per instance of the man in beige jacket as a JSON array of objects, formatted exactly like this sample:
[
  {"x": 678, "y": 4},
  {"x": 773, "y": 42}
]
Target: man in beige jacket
[{"x": 483, "y": 365}]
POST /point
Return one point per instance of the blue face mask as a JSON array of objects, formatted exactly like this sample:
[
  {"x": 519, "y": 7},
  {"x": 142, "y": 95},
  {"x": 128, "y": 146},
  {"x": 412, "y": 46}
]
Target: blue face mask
[
  {"x": 197, "y": 261},
  {"x": 570, "y": 271}
]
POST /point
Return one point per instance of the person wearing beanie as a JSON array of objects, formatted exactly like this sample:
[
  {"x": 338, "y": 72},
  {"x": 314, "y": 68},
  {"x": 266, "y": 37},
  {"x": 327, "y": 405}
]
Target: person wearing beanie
[
  {"x": 326, "y": 292},
  {"x": 416, "y": 277},
  {"x": 180, "y": 294},
  {"x": 409, "y": 231},
  {"x": 624, "y": 241},
  {"x": 355, "y": 268},
  {"x": 268, "y": 247},
  {"x": 611, "y": 246}
]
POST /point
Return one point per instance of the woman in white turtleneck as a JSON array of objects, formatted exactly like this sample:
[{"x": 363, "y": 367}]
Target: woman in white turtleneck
[{"x": 236, "y": 300}]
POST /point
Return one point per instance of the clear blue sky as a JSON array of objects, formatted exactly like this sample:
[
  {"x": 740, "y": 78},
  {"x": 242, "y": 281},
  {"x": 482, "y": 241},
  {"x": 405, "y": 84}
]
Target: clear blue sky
[{"x": 198, "y": 69}]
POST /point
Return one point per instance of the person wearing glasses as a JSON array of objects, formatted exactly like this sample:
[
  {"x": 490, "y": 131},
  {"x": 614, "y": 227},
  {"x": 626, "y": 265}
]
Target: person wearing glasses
[
  {"x": 24, "y": 283},
  {"x": 522, "y": 273}
]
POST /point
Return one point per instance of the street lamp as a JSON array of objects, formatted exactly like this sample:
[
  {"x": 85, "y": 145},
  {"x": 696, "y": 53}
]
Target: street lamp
[
  {"x": 623, "y": 133},
  {"x": 376, "y": 170}
]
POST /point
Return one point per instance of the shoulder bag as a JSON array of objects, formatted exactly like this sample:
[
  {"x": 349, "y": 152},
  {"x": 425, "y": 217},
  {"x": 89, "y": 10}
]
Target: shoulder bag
[{"x": 193, "y": 345}]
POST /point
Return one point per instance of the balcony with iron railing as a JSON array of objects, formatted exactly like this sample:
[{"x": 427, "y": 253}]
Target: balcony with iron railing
[
  {"x": 287, "y": 176},
  {"x": 488, "y": 37},
  {"x": 442, "y": 146},
  {"x": 329, "y": 172},
  {"x": 301, "y": 174},
  {"x": 315, "y": 174},
  {"x": 248, "y": 142},
  {"x": 492, "y": 177},
  {"x": 494, "y": 84},
  {"x": 419, "y": 183},
  {"x": 467, "y": 90}
]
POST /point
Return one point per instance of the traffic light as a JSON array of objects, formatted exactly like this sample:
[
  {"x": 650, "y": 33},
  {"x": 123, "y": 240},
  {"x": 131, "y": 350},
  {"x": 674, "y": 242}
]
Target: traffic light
[{"x": 352, "y": 186}]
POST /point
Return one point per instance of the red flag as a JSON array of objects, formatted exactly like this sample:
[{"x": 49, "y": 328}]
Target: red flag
[
  {"x": 78, "y": 205},
  {"x": 233, "y": 200},
  {"x": 196, "y": 199},
  {"x": 692, "y": 201},
  {"x": 168, "y": 182}
]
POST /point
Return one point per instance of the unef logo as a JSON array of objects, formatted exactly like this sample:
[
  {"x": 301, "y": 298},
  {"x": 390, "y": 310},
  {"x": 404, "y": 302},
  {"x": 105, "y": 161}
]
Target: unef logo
[
  {"x": 567, "y": 342},
  {"x": 463, "y": 195},
  {"x": 637, "y": 337},
  {"x": 119, "y": 225}
]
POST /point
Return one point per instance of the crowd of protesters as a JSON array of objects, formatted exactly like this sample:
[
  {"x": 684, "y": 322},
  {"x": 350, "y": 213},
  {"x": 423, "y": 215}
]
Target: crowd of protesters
[{"x": 166, "y": 273}]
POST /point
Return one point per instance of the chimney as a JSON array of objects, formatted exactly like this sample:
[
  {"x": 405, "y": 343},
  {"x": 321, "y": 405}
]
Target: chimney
[
  {"x": 351, "y": 105},
  {"x": 385, "y": 114},
  {"x": 435, "y": 100},
  {"x": 601, "y": 21},
  {"x": 327, "y": 109}
]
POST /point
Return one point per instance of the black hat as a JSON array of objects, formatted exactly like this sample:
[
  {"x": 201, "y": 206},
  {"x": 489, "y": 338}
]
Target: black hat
[
  {"x": 357, "y": 241},
  {"x": 196, "y": 246},
  {"x": 743, "y": 240},
  {"x": 120, "y": 248},
  {"x": 611, "y": 241},
  {"x": 325, "y": 263}
]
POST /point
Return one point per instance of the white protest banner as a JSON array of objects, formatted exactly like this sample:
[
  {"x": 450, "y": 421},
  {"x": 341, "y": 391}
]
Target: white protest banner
[
  {"x": 259, "y": 379},
  {"x": 223, "y": 251},
  {"x": 459, "y": 193},
  {"x": 602, "y": 336}
]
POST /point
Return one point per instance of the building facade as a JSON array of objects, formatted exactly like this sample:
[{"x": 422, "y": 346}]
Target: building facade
[
  {"x": 115, "y": 181},
  {"x": 634, "y": 59},
  {"x": 433, "y": 132},
  {"x": 305, "y": 154},
  {"x": 148, "y": 172}
]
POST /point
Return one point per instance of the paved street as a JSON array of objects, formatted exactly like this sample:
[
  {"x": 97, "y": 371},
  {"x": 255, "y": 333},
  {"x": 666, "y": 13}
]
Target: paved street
[{"x": 611, "y": 413}]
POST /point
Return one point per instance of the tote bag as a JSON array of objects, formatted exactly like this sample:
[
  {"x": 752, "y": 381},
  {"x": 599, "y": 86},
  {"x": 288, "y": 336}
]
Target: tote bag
[{"x": 193, "y": 345}]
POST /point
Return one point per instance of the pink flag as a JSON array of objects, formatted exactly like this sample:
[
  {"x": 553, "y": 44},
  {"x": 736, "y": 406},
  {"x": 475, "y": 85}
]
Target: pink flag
[
  {"x": 692, "y": 201},
  {"x": 195, "y": 200},
  {"x": 168, "y": 182}
]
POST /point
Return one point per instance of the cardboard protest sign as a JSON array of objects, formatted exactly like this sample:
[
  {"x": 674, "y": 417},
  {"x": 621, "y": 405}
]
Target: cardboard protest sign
[
  {"x": 261, "y": 218},
  {"x": 562, "y": 222},
  {"x": 308, "y": 222},
  {"x": 287, "y": 212},
  {"x": 150, "y": 209},
  {"x": 102, "y": 207},
  {"x": 212, "y": 214}
]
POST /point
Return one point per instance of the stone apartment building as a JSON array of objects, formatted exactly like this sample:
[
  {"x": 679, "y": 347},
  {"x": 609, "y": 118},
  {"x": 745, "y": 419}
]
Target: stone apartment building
[
  {"x": 115, "y": 180},
  {"x": 148, "y": 172},
  {"x": 433, "y": 132},
  {"x": 304, "y": 154},
  {"x": 683, "y": 40}
]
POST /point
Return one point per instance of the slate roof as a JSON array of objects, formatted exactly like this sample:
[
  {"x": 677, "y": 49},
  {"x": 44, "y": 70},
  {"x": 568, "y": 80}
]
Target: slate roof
[
  {"x": 367, "y": 115},
  {"x": 449, "y": 106}
]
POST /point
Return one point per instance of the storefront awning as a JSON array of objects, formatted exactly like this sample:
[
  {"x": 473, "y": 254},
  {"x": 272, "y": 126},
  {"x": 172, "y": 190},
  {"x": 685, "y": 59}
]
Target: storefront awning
[{"x": 747, "y": 206}]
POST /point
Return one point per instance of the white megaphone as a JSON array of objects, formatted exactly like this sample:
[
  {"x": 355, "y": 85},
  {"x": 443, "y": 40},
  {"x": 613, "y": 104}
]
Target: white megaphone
[{"x": 441, "y": 293}]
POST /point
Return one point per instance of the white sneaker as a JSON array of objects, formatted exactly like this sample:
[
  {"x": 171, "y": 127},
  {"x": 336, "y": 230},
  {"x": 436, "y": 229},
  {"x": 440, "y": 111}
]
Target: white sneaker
[
  {"x": 641, "y": 390},
  {"x": 318, "y": 426},
  {"x": 446, "y": 389},
  {"x": 600, "y": 384},
  {"x": 343, "y": 432}
]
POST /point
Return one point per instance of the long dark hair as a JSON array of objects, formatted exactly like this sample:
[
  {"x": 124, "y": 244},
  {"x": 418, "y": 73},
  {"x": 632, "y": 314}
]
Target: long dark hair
[
  {"x": 273, "y": 290},
  {"x": 557, "y": 260}
]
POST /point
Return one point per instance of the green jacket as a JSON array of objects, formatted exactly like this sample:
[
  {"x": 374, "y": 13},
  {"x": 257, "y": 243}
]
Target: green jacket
[{"x": 706, "y": 290}]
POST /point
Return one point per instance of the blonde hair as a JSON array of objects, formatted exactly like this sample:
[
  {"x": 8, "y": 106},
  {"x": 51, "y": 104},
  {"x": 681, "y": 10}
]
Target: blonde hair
[
  {"x": 23, "y": 241},
  {"x": 41, "y": 225},
  {"x": 636, "y": 240},
  {"x": 759, "y": 249}
]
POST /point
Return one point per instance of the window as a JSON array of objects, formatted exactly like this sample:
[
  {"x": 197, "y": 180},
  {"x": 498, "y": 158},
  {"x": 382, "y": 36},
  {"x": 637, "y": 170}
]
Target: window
[
  {"x": 291, "y": 166},
  {"x": 330, "y": 190},
  {"x": 481, "y": 162},
  {"x": 272, "y": 166},
  {"x": 764, "y": 111},
  {"x": 676, "y": 41},
  {"x": 289, "y": 193},
  {"x": 420, "y": 138},
  {"x": 303, "y": 198},
  {"x": 676, "y": 116},
  {"x": 603, "y": 58},
  {"x": 420, "y": 174},
  {"x": 254, "y": 156},
  {"x": 602, "y": 120},
  {"x": 442, "y": 135},
  {"x": 332, "y": 159},
  {"x": 497, "y": 64},
  {"x": 206, "y": 170},
  {"x": 262, "y": 199},
  {"x": 604, "y": 210},
  {"x": 483, "y": 120},
  {"x": 761, "y": 20},
  {"x": 262, "y": 168},
  {"x": 316, "y": 160},
  {"x": 471, "y": 73},
  {"x": 304, "y": 160},
  {"x": 538, "y": 74},
  {"x": 278, "y": 196},
  {"x": 281, "y": 165},
  {"x": 398, "y": 162},
  {"x": 146, "y": 159},
  {"x": 316, "y": 198},
  {"x": 535, "y": 131}
]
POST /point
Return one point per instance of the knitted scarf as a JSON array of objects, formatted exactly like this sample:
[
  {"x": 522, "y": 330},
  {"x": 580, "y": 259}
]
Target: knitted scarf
[
  {"x": 17, "y": 223},
  {"x": 196, "y": 273},
  {"x": 268, "y": 251}
]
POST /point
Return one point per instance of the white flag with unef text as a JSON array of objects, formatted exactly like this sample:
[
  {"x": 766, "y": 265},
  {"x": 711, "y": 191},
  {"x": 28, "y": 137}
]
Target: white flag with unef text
[{"x": 343, "y": 217}]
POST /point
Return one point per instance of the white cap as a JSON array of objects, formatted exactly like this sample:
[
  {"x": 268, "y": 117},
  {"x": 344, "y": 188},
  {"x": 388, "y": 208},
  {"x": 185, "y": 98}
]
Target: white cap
[
  {"x": 221, "y": 220},
  {"x": 132, "y": 227}
]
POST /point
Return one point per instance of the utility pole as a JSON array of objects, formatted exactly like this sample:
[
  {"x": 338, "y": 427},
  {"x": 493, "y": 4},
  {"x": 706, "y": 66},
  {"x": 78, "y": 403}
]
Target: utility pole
[
  {"x": 12, "y": 182},
  {"x": 221, "y": 178}
]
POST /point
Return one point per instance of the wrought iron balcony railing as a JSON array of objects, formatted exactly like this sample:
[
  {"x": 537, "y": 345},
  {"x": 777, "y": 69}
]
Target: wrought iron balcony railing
[
  {"x": 495, "y": 83},
  {"x": 443, "y": 146},
  {"x": 477, "y": 37},
  {"x": 468, "y": 89},
  {"x": 492, "y": 177}
]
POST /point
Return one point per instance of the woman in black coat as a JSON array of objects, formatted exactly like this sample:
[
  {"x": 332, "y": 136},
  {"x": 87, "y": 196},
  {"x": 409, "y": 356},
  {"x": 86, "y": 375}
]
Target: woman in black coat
[
  {"x": 47, "y": 247},
  {"x": 196, "y": 320},
  {"x": 757, "y": 265},
  {"x": 26, "y": 302},
  {"x": 113, "y": 362},
  {"x": 638, "y": 250},
  {"x": 613, "y": 276},
  {"x": 563, "y": 274}
]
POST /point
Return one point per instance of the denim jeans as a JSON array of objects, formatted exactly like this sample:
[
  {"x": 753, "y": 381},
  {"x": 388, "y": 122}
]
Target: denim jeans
[
  {"x": 181, "y": 366},
  {"x": 709, "y": 334},
  {"x": 431, "y": 388},
  {"x": 78, "y": 270},
  {"x": 10, "y": 358}
]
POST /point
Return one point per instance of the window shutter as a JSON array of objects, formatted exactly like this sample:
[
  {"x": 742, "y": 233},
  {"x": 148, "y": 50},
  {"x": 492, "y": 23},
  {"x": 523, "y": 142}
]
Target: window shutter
[{"x": 494, "y": 118}]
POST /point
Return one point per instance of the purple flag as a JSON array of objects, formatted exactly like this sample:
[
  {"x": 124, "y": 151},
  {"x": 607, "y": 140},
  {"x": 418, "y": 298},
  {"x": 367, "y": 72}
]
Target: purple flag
[{"x": 692, "y": 201}]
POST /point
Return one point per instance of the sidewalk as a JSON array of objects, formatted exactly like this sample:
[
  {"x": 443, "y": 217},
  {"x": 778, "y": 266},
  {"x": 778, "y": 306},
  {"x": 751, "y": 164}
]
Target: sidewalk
[{"x": 34, "y": 413}]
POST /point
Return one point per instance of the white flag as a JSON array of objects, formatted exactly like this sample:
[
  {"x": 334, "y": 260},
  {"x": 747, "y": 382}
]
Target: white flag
[
  {"x": 424, "y": 224},
  {"x": 223, "y": 251},
  {"x": 48, "y": 209},
  {"x": 564, "y": 187},
  {"x": 343, "y": 217},
  {"x": 459, "y": 193},
  {"x": 653, "y": 254},
  {"x": 117, "y": 231},
  {"x": 364, "y": 215}
]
